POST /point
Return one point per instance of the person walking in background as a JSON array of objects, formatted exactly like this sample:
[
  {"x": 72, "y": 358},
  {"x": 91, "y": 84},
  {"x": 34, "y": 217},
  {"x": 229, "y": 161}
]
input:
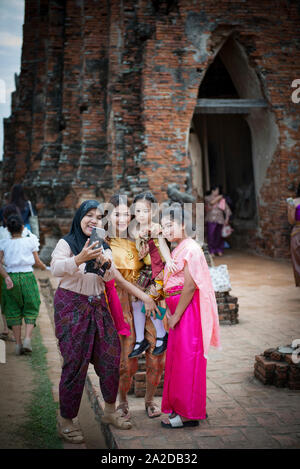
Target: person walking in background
[
  {"x": 12, "y": 209},
  {"x": 5, "y": 201},
  {"x": 4, "y": 233},
  {"x": 294, "y": 220},
  {"x": 217, "y": 213},
  {"x": 17, "y": 197},
  {"x": 193, "y": 325},
  {"x": 20, "y": 294}
]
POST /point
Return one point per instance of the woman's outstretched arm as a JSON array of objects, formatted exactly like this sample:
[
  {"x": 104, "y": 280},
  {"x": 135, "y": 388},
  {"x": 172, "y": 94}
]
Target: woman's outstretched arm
[{"x": 150, "y": 305}]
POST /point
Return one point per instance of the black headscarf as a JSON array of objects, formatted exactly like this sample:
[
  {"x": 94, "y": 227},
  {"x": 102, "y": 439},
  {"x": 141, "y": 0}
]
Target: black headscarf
[{"x": 76, "y": 237}]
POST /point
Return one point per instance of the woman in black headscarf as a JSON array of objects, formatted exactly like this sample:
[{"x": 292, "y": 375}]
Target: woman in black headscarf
[{"x": 84, "y": 325}]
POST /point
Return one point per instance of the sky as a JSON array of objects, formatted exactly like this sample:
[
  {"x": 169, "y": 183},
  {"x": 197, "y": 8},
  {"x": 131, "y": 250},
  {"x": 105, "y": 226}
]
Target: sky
[{"x": 11, "y": 32}]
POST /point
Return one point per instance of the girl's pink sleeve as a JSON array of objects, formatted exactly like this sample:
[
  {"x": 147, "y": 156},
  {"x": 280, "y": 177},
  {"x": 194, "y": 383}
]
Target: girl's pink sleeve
[{"x": 116, "y": 308}]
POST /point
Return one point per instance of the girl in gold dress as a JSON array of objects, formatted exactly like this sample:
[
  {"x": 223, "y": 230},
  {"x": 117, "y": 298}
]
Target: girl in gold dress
[{"x": 126, "y": 260}]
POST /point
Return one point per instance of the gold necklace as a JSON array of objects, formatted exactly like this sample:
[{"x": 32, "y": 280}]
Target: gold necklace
[{"x": 129, "y": 252}]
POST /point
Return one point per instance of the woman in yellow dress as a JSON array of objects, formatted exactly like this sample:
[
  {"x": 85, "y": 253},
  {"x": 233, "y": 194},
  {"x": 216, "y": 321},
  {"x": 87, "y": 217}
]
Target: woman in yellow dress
[{"x": 126, "y": 260}]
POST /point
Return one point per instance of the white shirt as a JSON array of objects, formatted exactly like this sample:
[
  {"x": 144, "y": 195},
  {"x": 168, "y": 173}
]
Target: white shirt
[
  {"x": 5, "y": 234},
  {"x": 18, "y": 254}
]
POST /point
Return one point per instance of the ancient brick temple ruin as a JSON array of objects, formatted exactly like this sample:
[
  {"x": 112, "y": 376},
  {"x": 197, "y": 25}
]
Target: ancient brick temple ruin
[{"x": 127, "y": 95}]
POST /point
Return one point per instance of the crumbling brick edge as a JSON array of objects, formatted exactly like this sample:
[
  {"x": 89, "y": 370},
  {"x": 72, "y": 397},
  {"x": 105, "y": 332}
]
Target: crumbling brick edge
[{"x": 98, "y": 411}]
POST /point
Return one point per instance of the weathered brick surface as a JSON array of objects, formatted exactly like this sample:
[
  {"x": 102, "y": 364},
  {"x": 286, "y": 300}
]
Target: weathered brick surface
[
  {"x": 107, "y": 92},
  {"x": 278, "y": 369},
  {"x": 227, "y": 307}
]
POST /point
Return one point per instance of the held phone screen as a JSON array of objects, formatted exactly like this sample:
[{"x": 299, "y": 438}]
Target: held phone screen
[
  {"x": 98, "y": 234},
  {"x": 92, "y": 266}
]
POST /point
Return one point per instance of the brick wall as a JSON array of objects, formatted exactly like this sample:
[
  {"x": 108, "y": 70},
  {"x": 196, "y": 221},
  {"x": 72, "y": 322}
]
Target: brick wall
[{"x": 107, "y": 92}]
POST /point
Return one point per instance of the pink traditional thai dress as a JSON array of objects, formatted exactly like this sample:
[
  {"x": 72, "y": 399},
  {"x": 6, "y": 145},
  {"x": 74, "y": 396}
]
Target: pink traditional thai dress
[{"x": 185, "y": 371}]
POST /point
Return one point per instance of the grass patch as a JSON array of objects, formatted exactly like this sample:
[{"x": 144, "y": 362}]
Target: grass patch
[{"x": 39, "y": 428}]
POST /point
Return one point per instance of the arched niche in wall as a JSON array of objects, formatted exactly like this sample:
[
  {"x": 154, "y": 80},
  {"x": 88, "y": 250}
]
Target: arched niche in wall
[{"x": 237, "y": 133}]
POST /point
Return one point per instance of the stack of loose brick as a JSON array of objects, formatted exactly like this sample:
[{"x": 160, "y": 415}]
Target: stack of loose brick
[
  {"x": 273, "y": 367},
  {"x": 227, "y": 307}
]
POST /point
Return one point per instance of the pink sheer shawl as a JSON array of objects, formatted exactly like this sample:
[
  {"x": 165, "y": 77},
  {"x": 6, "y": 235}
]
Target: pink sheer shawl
[{"x": 190, "y": 252}]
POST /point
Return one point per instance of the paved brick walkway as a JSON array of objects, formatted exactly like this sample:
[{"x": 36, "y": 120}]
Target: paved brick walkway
[{"x": 243, "y": 413}]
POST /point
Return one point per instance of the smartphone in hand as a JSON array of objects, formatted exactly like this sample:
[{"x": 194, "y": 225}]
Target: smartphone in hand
[
  {"x": 98, "y": 234},
  {"x": 92, "y": 266}
]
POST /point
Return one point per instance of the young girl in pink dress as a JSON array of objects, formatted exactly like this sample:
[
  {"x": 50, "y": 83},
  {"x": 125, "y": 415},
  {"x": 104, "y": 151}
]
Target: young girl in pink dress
[{"x": 194, "y": 326}]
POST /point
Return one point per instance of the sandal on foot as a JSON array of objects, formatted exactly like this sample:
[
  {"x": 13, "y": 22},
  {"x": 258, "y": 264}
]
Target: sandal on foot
[
  {"x": 116, "y": 420},
  {"x": 154, "y": 409},
  {"x": 177, "y": 422},
  {"x": 123, "y": 410},
  {"x": 71, "y": 435}
]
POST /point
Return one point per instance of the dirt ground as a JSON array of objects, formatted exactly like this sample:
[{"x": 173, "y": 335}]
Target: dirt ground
[
  {"x": 16, "y": 386},
  {"x": 243, "y": 412}
]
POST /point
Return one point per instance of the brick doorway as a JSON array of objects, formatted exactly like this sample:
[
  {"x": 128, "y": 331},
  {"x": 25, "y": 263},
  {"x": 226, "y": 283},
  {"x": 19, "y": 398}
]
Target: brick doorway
[
  {"x": 228, "y": 136},
  {"x": 227, "y": 160}
]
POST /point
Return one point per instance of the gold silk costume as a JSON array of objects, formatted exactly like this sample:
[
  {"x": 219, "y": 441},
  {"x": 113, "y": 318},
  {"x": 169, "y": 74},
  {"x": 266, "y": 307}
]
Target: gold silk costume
[{"x": 126, "y": 260}]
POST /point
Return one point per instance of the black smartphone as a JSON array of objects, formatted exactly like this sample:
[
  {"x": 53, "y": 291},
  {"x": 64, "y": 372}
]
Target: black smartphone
[{"x": 98, "y": 234}]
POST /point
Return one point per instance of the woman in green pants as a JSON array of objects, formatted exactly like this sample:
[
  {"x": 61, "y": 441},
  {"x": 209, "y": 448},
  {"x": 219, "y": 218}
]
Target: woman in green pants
[{"x": 20, "y": 295}]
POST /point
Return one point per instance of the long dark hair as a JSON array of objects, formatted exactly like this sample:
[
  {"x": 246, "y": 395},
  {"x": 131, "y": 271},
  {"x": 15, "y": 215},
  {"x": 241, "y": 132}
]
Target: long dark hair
[
  {"x": 10, "y": 209},
  {"x": 118, "y": 199},
  {"x": 147, "y": 195},
  {"x": 14, "y": 224},
  {"x": 17, "y": 196},
  {"x": 177, "y": 213},
  {"x": 115, "y": 201},
  {"x": 214, "y": 187}
]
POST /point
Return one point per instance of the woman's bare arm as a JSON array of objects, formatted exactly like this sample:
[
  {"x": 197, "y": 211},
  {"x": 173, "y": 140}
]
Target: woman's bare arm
[
  {"x": 4, "y": 274},
  {"x": 38, "y": 263},
  {"x": 216, "y": 200},
  {"x": 291, "y": 214},
  {"x": 164, "y": 248},
  {"x": 150, "y": 305}
]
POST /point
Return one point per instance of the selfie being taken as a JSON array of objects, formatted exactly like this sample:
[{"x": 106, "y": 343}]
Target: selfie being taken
[{"x": 149, "y": 229}]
